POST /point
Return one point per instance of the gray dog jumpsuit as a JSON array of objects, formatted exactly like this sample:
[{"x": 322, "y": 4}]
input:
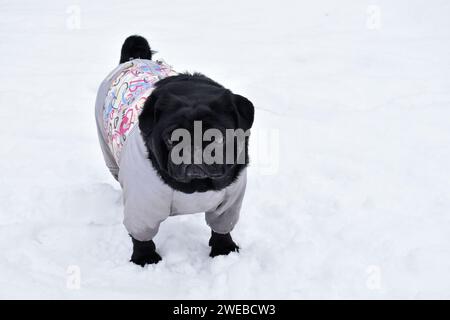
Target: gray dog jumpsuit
[{"x": 147, "y": 199}]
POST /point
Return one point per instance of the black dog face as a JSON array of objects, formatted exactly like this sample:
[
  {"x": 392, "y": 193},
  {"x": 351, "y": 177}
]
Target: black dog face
[{"x": 184, "y": 102}]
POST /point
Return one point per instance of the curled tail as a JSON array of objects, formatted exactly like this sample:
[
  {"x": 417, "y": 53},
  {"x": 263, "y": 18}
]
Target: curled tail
[{"x": 135, "y": 47}]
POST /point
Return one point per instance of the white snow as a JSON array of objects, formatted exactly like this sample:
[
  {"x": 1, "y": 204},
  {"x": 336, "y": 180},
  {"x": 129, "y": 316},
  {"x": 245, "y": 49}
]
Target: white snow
[{"x": 351, "y": 200}]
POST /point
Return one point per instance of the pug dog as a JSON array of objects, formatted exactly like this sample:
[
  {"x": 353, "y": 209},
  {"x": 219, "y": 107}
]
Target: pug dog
[{"x": 177, "y": 143}]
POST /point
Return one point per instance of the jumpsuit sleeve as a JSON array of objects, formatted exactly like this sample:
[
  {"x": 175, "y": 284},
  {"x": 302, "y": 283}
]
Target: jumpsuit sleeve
[
  {"x": 147, "y": 200},
  {"x": 224, "y": 218}
]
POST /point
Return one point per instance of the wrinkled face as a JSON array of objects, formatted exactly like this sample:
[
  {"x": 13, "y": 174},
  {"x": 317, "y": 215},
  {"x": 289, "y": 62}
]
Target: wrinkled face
[
  {"x": 196, "y": 133},
  {"x": 195, "y": 142},
  {"x": 197, "y": 149}
]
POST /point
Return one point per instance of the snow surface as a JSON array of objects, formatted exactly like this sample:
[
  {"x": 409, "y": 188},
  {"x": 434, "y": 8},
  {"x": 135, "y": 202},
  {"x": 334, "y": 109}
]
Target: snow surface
[{"x": 349, "y": 191}]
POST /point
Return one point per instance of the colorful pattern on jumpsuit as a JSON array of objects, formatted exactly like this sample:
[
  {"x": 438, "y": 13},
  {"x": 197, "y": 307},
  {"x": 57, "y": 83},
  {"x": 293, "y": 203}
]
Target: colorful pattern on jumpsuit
[{"x": 126, "y": 98}]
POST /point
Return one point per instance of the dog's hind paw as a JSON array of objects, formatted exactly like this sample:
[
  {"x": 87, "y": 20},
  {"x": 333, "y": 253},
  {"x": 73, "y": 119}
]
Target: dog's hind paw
[{"x": 222, "y": 244}]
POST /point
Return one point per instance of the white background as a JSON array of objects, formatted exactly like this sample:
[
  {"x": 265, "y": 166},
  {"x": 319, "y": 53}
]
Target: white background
[{"x": 351, "y": 200}]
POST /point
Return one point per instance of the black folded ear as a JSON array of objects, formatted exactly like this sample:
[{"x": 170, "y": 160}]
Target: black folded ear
[
  {"x": 246, "y": 111},
  {"x": 151, "y": 112}
]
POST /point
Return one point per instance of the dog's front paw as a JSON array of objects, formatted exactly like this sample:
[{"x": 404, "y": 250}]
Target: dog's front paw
[
  {"x": 222, "y": 244},
  {"x": 144, "y": 252},
  {"x": 151, "y": 258}
]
